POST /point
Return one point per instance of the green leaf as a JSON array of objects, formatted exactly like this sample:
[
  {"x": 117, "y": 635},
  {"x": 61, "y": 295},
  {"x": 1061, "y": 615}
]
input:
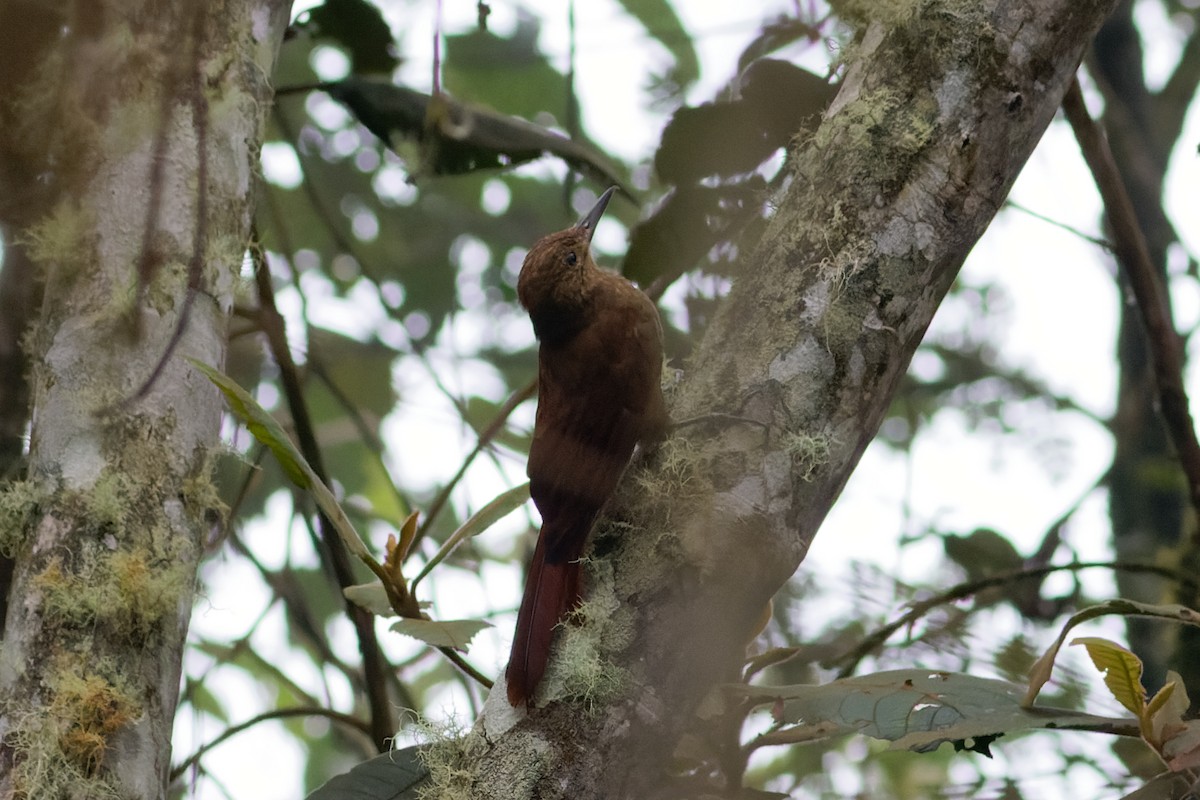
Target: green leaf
[
  {"x": 204, "y": 701},
  {"x": 359, "y": 28},
  {"x": 456, "y": 633},
  {"x": 510, "y": 74},
  {"x": 391, "y": 776},
  {"x": 264, "y": 427},
  {"x": 483, "y": 519},
  {"x": 913, "y": 709},
  {"x": 371, "y": 596},
  {"x": 660, "y": 21},
  {"x": 348, "y": 393},
  {"x": 1122, "y": 671},
  {"x": 267, "y": 430}
]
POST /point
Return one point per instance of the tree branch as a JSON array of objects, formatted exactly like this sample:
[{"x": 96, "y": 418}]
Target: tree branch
[{"x": 1166, "y": 346}]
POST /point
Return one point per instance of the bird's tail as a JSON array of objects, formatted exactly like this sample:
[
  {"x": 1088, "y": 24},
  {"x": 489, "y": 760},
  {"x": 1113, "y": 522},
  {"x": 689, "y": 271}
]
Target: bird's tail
[{"x": 552, "y": 590}]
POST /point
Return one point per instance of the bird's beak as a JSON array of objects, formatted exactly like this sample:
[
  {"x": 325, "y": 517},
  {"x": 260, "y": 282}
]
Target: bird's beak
[{"x": 590, "y": 219}]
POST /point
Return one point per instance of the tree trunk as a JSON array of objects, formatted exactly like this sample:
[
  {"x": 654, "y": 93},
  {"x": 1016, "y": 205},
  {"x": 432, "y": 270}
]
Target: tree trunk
[
  {"x": 146, "y": 120},
  {"x": 941, "y": 105}
]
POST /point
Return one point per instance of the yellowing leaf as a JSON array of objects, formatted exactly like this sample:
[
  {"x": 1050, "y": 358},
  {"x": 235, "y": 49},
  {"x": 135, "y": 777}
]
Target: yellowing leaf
[
  {"x": 1161, "y": 697},
  {"x": 1167, "y": 708},
  {"x": 1039, "y": 673},
  {"x": 1122, "y": 671}
]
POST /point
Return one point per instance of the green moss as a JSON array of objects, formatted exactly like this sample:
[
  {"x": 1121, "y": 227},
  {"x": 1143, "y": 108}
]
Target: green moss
[
  {"x": 889, "y": 12},
  {"x": 89, "y": 709},
  {"x": 128, "y": 591},
  {"x": 41, "y": 770},
  {"x": 64, "y": 238},
  {"x": 61, "y": 753},
  {"x": 673, "y": 481},
  {"x": 201, "y": 497},
  {"x": 808, "y": 453},
  {"x": 106, "y": 505},
  {"x": 18, "y": 501},
  {"x": 450, "y": 757},
  {"x": 582, "y": 667}
]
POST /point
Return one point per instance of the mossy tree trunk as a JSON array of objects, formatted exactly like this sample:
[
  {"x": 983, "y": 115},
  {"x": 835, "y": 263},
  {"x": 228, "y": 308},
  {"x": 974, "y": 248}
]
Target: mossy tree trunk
[
  {"x": 141, "y": 122},
  {"x": 942, "y": 103}
]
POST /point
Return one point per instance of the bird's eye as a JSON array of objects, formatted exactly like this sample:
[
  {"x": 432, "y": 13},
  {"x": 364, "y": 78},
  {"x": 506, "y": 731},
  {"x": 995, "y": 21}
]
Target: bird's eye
[{"x": 571, "y": 259}]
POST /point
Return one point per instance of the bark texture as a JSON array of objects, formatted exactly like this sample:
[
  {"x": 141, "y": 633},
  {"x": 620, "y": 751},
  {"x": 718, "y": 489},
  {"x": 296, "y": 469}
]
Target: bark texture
[
  {"x": 148, "y": 118},
  {"x": 941, "y": 105}
]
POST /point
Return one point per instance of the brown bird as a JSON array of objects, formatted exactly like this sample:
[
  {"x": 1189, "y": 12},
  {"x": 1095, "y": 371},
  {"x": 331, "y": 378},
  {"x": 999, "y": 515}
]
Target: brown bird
[{"x": 599, "y": 396}]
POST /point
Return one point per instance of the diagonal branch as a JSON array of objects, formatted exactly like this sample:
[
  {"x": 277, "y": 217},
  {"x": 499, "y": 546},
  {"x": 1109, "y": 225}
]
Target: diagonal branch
[
  {"x": 1166, "y": 346},
  {"x": 374, "y": 663}
]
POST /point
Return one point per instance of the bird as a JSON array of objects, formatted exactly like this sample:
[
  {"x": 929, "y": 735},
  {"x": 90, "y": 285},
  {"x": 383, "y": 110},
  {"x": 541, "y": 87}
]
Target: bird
[{"x": 600, "y": 354}]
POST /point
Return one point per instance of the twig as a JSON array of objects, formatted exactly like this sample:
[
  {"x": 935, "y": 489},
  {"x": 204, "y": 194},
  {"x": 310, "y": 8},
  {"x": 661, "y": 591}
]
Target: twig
[
  {"x": 1087, "y": 237},
  {"x": 280, "y": 713},
  {"x": 1166, "y": 346},
  {"x": 374, "y": 664},
  {"x": 919, "y": 609},
  {"x": 485, "y": 439}
]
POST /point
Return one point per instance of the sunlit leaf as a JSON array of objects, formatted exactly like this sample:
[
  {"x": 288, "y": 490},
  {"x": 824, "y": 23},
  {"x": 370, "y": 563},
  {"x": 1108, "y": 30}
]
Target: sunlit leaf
[
  {"x": 1044, "y": 666},
  {"x": 1122, "y": 671}
]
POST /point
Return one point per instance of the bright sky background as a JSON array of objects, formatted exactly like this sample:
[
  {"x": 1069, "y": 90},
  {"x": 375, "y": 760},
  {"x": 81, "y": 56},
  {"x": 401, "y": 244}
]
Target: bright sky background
[{"x": 1059, "y": 322}]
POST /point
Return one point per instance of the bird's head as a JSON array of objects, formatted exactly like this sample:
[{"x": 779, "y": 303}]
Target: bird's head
[{"x": 555, "y": 276}]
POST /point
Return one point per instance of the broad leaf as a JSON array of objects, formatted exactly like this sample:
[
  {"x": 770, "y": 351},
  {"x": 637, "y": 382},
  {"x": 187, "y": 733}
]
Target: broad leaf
[
  {"x": 371, "y": 596},
  {"x": 1122, "y": 671},
  {"x": 660, "y": 21},
  {"x": 914, "y": 709},
  {"x": 359, "y": 28},
  {"x": 483, "y": 519},
  {"x": 391, "y": 776},
  {"x": 264, "y": 427},
  {"x": 1042, "y": 668},
  {"x": 268, "y": 431},
  {"x": 456, "y": 633}
]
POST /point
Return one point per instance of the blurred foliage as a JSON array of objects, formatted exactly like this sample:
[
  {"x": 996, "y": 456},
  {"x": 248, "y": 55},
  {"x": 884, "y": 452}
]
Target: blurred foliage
[{"x": 396, "y": 272}]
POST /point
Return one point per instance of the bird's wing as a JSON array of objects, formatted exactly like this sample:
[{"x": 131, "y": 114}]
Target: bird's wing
[{"x": 596, "y": 393}]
